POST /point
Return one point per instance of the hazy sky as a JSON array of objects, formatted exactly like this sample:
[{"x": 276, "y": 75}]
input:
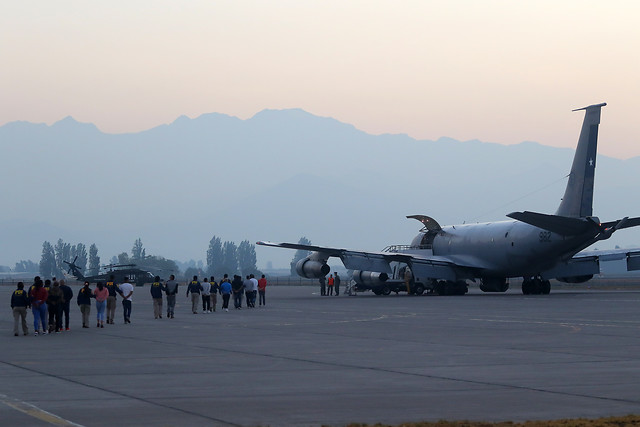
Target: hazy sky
[{"x": 499, "y": 71}]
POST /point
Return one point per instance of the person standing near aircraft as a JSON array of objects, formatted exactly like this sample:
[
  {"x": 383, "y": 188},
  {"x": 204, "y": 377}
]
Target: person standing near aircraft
[
  {"x": 262, "y": 288},
  {"x": 111, "y": 299},
  {"x": 215, "y": 288},
  {"x": 38, "y": 297},
  {"x": 84, "y": 302},
  {"x": 206, "y": 295},
  {"x": 194, "y": 288},
  {"x": 336, "y": 280},
  {"x": 330, "y": 284},
  {"x": 323, "y": 286},
  {"x": 101, "y": 293},
  {"x": 67, "y": 296},
  {"x": 225, "y": 291},
  {"x": 19, "y": 304},
  {"x": 156, "y": 294},
  {"x": 126, "y": 290},
  {"x": 171, "y": 289}
]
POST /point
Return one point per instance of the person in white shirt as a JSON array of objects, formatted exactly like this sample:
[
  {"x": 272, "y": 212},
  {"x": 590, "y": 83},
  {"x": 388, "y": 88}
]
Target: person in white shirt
[
  {"x": 127, "y": 297},
  {"x": 206, "y": 296}
]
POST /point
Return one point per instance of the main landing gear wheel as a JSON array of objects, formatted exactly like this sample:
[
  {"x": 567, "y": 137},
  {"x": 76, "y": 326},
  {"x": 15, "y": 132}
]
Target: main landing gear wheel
[
  {"x": 418, "y": 290},
  {"x": 536, "y": 286},
  {"x": 451, "y": 288}
]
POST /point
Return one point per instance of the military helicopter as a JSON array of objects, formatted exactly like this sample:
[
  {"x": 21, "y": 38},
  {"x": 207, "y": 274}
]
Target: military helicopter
[{"x": 118, "y": 271}]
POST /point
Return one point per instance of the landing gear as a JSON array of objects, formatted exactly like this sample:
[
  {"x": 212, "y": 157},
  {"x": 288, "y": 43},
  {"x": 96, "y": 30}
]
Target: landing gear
[
  {"x": 494, "y": 284},
  {"x": 447, "y": 287},
  {"x": 536, "y": 286}
]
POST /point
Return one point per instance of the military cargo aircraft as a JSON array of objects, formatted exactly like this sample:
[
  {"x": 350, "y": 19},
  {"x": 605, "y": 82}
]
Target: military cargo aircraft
[{"x": 533, "y": 246}]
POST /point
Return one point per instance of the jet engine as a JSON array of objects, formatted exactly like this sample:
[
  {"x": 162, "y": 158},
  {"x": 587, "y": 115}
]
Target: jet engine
[
  {"x": 312, "y": 268},
  {"x": 369, "y": 278}
]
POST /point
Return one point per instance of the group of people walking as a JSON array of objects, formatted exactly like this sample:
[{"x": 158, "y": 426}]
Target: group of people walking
[
  {"x": 50, "y": 303},
  {"x": 209, "y": 289},
  {"x": 50, "y": 300}
]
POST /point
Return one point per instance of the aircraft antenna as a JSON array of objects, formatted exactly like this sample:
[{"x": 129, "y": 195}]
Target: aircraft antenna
[{"x": 502, "y": 207}]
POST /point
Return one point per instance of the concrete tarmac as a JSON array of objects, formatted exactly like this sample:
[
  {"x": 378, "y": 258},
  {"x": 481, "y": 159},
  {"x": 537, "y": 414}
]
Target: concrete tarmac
[{"x": 308, "y": 360}]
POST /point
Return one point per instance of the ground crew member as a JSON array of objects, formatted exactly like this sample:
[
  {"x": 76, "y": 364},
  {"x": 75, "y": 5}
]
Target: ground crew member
[
  {"x": 330, "y": 283},
  {"x": 19, "y": 304},
  {"x": 336, "y": 280},
  {"x": 407, "y": 279},
  {"x": 156, "y": 293}
]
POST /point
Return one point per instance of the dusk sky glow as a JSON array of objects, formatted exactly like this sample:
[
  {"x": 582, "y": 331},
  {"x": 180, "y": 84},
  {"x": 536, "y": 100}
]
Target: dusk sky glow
[{"x": 498, "y": 71}]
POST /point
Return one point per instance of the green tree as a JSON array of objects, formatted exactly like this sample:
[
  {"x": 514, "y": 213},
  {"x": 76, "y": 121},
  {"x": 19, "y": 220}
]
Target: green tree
[
  {"x": 48, "y": 267},
  {"x": 214, "y": 257},
  {"x": 94, "y": 260},
  {"x": 138, "y": 251},
  {"x": 247, "y": 258},
  {"x": 300, "y": 254},
  {"x": 229, "y": 258},
  {"x": 62, "y": 253},
  {"x": 123, "y": 258}
]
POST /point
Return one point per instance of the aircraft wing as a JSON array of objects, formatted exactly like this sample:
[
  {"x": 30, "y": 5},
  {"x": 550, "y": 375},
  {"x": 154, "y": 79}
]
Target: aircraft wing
[
  {"x": 588, "y": 263},
  {"x": 422, "y": 267}
]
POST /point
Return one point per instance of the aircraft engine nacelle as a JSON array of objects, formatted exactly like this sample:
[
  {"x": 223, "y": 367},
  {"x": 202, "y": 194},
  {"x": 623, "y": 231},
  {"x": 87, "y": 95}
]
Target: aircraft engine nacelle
[
  {"x": 575, "y": 279},
  {"x": 370, "y": 278},
  {"x": 312, "y": 269}
]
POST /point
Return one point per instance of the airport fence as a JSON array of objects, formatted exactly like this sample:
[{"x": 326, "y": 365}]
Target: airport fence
[{"x": 271, "y": 281}]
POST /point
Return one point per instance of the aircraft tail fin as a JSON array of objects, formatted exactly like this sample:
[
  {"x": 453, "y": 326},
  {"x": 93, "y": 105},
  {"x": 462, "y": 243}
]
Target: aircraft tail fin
[{"x": 578, "y": 196}]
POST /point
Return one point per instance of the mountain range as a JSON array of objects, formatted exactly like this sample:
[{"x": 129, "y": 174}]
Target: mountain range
[{"x": 280, "y": 175}]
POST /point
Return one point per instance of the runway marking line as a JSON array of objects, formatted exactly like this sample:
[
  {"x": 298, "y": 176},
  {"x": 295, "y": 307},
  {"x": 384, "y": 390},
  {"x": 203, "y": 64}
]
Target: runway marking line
[{"x": 35, "y": 412}]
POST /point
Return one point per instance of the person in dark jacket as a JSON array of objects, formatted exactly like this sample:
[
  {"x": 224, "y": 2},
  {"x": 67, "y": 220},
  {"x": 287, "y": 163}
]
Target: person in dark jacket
[
  {"x": 67, "y": 296},
  {"x": 194, "y": 288},
  {"x": 84, "y": 302},
  {"x": 54, "y": 305},
  {"x": 171, "y": 289},
  {"x": 19, "y": 304},
  {"x": 237, "y": 287},
  {"x": 156, "y": 294},
  {"x": 215, "y": 289}
]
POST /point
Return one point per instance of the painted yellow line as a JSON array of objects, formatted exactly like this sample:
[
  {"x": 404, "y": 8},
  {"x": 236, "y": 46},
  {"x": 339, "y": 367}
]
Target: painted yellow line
[{"x": 35, "y": 412}]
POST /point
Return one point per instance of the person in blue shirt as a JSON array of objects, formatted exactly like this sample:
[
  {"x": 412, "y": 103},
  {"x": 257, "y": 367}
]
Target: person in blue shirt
[{"x": 225, "y": 291}]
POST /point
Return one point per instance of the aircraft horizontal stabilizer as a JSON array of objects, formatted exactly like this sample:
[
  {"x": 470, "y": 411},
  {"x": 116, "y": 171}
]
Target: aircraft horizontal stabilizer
[{"x": 562, "y": 225}]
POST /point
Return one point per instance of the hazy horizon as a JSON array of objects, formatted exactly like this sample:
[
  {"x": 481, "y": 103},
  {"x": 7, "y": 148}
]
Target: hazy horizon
[{"x": 496, "y": 70}]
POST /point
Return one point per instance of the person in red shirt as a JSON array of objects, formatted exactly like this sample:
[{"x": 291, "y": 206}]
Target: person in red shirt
[
  {"x": 262, "y": 286},
  {"x": 330, "y": 283},
  {"x": 38, "y": 297}
]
